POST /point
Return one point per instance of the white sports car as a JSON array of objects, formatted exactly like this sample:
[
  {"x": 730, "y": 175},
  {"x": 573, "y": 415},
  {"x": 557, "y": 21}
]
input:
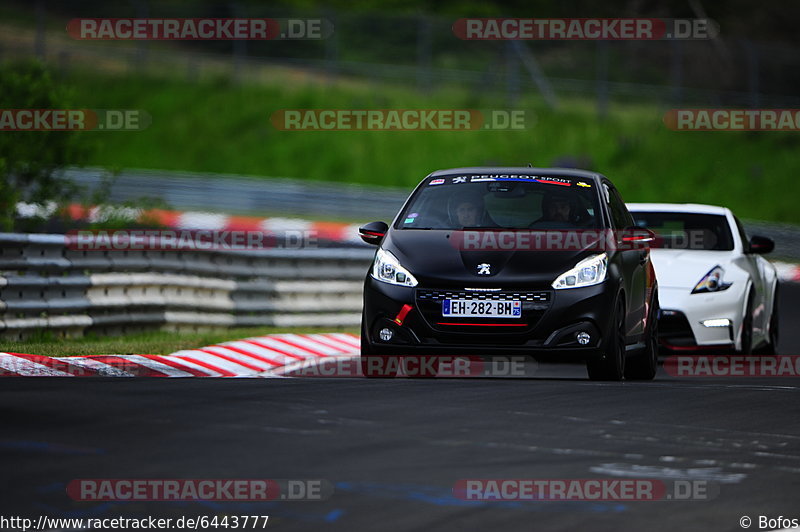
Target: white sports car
[{"x": 715, "y": 289}]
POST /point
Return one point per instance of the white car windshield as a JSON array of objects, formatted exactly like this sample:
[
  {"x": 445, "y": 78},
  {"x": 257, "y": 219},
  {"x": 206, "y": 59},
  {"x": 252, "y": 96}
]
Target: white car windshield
[{"x": 683, "y": 230}]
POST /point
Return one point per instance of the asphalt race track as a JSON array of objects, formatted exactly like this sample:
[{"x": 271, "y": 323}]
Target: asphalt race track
[{"x": 393, "y": 449}]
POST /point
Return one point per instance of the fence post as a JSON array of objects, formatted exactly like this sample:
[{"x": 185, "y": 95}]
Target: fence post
[
  {"x": 512, "y": 75},
  {"x": 536, "y": 73},
  {"x": 676, "y": 71},
  {"x": 40, "y": 29},
  {"x": 239, "y": 46},
  {"x": 424, "y": 53},
  {"x": 602, "y": 79},
  {"x": 751, "y": 56},
  {"x": 142, "y": 11},
  {"x": 332, "y": 48}
]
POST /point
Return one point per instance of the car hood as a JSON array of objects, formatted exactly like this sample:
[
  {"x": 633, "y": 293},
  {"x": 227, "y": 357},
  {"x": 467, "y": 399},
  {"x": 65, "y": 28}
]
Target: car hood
[
  {"x": 434, "y": 258},
  {"x": 681, "y": 268}
]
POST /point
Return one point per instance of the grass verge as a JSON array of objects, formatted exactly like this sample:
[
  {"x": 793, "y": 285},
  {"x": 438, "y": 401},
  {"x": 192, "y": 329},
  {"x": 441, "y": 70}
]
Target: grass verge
[{"x": 217, "y": 126}]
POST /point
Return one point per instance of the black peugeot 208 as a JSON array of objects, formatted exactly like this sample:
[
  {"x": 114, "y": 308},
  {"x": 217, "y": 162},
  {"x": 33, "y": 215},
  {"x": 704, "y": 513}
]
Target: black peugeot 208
[{"x": 543, "y": 262}]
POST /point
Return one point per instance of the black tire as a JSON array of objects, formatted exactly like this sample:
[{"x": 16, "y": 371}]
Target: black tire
[
  {"x": 747, "y": 328},
  {"x": 643, "y": 366},
  {"x": 611, "y": 366},
  {"x": 771, "y": 349}
]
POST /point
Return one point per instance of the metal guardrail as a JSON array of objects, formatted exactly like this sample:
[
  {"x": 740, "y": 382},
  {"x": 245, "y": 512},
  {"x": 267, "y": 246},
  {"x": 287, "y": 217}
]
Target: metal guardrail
[
  {"x": 46, "y": 285},
  {"x": 246, "y": 194},
  {"x": 236, "y": 193}
]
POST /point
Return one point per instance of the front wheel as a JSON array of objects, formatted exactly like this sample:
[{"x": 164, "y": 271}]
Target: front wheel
[
  {"x": 771, "y": 349},
  {"x": 611, "y": 367},
  {"x": 747, "y": 328},
  {"x": 643, "y": 366}
]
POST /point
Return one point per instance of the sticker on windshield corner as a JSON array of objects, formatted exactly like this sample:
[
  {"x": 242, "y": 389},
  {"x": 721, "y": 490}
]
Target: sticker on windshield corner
[
  {"x": 584, "y": 185},
  {"x": 413, "y": 215},
  {"x": 409, "y": 221},
  {"x": 436, "y": 182}
]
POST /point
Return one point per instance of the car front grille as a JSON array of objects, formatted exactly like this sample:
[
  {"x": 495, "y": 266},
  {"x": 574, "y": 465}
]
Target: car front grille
[
  {"x": 534, "y": 305},
  {"x": 674, "y": 329},
  {"x": 431, "y": 294}
]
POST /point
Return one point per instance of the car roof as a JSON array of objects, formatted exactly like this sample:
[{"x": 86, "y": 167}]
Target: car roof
[
  {"x": 695, "y": 208},
  {"x": 562, "y": 172}
]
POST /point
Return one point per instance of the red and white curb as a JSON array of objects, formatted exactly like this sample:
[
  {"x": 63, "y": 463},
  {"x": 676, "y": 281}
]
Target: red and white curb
[
  {"x": 260, "y": 356},
  {"x": 196, "y": 220}
]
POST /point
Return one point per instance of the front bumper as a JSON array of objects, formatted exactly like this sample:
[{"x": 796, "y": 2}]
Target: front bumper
[
  {"x": 682, "y": 314},
  {"x": 550, "y": 321}
]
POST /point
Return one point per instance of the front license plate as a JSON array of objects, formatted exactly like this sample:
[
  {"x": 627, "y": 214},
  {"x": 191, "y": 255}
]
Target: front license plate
[{"x": 468, "y": 308}]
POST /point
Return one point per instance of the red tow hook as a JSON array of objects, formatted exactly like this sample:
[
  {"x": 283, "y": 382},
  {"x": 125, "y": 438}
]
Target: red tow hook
[{"x": 402, "y": 314}]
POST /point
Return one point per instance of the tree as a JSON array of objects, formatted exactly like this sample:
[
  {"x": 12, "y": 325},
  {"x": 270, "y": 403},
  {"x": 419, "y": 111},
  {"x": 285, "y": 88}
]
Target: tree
[{"x": 30, "y": 160}]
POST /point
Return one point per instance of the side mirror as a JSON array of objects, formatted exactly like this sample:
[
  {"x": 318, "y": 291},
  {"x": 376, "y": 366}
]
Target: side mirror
[
  {"x": 373, "y": 232},
  {"x": 760, "y": 245},
  {"x": 638, "y": 237}
]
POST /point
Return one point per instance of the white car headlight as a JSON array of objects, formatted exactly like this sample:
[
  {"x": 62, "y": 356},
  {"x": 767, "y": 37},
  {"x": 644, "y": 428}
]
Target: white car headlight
[
  {"x": 588, "y": 272},
  {"x": 387, "y": 268},
  {"x": 712, "y": 281}
]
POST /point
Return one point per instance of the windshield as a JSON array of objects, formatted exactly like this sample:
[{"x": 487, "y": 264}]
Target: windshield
[
  {"x": 502, "y": 201},
  {"x": 682, "y": 230}
]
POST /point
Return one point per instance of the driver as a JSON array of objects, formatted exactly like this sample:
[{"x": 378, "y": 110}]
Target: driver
[
  {"x": 468, "y": 211},
  {"x": 559, "y": 207}
]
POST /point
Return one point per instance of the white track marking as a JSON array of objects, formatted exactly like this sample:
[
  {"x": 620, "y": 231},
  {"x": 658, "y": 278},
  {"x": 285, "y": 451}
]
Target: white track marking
[
  {"x": 311, "y": 344},
  {"x": 279, "y": 358},
  {"x": 344, "y": 347},
  {"x": 101, "y": 368},
  {"x": 189, "y": 364},
  {"x": 158, "y": 366},
  {"x": 28, "y": 368},
  {"x": 217, "y": 362},
  {"x": 270, "y": 342},
  {"x": 347, "y": 338},
  {"x": 714, "y": 474}
]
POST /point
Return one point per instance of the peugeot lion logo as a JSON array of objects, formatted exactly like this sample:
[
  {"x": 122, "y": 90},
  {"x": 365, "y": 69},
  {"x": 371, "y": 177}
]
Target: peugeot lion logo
[{"x": 484, "y": 269}]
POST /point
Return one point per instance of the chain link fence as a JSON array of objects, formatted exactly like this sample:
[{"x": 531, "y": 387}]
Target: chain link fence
[{"x": 421, "y": 50}]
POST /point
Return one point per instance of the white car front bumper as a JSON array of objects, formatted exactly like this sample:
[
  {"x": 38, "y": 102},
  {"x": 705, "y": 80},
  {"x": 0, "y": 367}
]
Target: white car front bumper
[{"x": 698, "y": 308}]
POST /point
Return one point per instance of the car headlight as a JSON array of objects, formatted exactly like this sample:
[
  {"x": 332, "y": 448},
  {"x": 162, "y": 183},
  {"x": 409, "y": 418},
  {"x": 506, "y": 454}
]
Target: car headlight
[
  {"x": 387, "y": 268},
  {"x": 712, "y": 281},
  {"x": 588, "y": 272}
]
